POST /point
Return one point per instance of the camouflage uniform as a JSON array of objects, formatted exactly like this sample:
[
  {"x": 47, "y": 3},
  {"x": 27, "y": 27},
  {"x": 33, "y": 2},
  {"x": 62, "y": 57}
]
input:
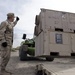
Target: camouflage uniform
[{"x": 6, "y": 33}]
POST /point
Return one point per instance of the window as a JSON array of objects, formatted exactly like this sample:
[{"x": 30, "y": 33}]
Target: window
[{"x": 58, "y": 38}]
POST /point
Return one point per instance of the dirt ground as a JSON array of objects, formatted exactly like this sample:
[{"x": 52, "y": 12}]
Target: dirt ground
[{"x": 18, "y": 67}]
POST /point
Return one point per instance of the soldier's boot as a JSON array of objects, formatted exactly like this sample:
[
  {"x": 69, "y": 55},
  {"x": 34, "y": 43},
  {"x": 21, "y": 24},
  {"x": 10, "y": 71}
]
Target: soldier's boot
[
  {"x": 4, "y": 72},
  {"x": 8, "y": 72}
]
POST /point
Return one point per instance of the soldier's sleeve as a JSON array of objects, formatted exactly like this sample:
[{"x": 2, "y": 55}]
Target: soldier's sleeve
[
  {"x": 3, "y": 27},
  {"x": 14, "y": 23},
  {"x": 2, "y": 30}
]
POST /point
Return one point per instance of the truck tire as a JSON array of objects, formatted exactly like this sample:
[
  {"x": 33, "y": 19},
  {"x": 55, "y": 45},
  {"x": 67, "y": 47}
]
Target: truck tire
[
  {"x": 23, "y": 52},
  {"x": 23, "y": 55},
  {"x": 49, "y": 58}
]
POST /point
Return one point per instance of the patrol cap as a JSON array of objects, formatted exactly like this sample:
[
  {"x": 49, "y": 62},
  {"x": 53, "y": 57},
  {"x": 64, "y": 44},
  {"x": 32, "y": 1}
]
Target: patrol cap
[{"x": 10, "y": 15}]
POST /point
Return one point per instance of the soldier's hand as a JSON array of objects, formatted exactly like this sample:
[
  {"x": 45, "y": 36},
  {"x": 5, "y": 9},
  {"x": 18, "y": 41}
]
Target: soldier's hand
[
  {"x": 17, "y": 18},
  {"x": 4, "y": 44}
]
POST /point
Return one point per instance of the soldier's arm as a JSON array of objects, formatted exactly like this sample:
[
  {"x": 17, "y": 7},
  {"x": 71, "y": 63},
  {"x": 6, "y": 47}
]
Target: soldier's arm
[
  {"x": 3, "y": 27},
  {"x": 2, "y": 30},
  {"x": 17, "y": 19},
  {"x": 15, "y": 22}
]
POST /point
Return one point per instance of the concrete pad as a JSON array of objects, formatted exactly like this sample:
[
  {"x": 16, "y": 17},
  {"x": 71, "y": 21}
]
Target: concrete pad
[{"x": 63, "y": 68}]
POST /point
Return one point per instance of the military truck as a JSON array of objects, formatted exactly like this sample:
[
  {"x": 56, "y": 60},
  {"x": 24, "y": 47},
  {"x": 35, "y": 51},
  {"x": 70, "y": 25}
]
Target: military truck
[
  {"x": 27, "y": 49},
  {"x": 54, "y": 34}
]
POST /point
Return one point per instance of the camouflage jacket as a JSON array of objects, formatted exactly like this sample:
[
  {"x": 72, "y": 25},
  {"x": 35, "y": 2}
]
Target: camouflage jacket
[{"x": 6, "y": 30}]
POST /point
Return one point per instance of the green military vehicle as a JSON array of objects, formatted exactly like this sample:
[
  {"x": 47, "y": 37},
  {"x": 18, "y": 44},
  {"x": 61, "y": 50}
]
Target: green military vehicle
[{"x": 27, "y": 49}]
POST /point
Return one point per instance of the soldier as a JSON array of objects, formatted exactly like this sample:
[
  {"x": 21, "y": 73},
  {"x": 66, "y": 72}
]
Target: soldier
[{"x": 6, "y": 37}]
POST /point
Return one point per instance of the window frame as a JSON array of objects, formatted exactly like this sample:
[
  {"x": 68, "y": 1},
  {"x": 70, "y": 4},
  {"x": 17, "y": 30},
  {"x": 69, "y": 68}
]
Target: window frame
[{"x": 59, "y": 39}]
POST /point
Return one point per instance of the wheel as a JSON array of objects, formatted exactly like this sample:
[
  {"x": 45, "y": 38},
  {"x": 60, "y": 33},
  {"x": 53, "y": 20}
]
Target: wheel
[
  {"x": 23, "y": 58},
  {"x": 49, "y": 58},
  {"x": 23, "y": 52},
  {"x": 23, "y": 55}
]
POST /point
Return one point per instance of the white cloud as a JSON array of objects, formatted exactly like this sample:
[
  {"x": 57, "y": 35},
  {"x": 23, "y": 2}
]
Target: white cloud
[{"x": 27, "y": 10}]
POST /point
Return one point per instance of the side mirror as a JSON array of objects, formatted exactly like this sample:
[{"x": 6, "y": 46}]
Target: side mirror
[{"x": 24, "y": 36}]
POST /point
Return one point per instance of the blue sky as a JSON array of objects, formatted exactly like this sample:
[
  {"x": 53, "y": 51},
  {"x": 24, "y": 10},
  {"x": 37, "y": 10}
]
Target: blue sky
[{"x": 27, "y": 10}]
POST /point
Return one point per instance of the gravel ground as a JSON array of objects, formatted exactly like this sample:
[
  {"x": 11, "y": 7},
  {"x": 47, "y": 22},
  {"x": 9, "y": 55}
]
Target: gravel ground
[{"x": 18, "y": 67}]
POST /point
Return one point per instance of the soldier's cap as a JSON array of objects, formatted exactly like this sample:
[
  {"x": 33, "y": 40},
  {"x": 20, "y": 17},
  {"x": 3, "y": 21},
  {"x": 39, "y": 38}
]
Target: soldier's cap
[{"x": 10, "y": 15}]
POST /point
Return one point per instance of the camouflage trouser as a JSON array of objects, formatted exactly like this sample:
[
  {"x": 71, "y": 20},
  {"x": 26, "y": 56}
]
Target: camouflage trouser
[{"x": 5, "y": 55}]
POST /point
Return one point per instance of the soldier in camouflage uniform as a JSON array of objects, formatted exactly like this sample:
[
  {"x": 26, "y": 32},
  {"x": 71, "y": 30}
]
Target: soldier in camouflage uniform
[{"x": 6, "y": 37}]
